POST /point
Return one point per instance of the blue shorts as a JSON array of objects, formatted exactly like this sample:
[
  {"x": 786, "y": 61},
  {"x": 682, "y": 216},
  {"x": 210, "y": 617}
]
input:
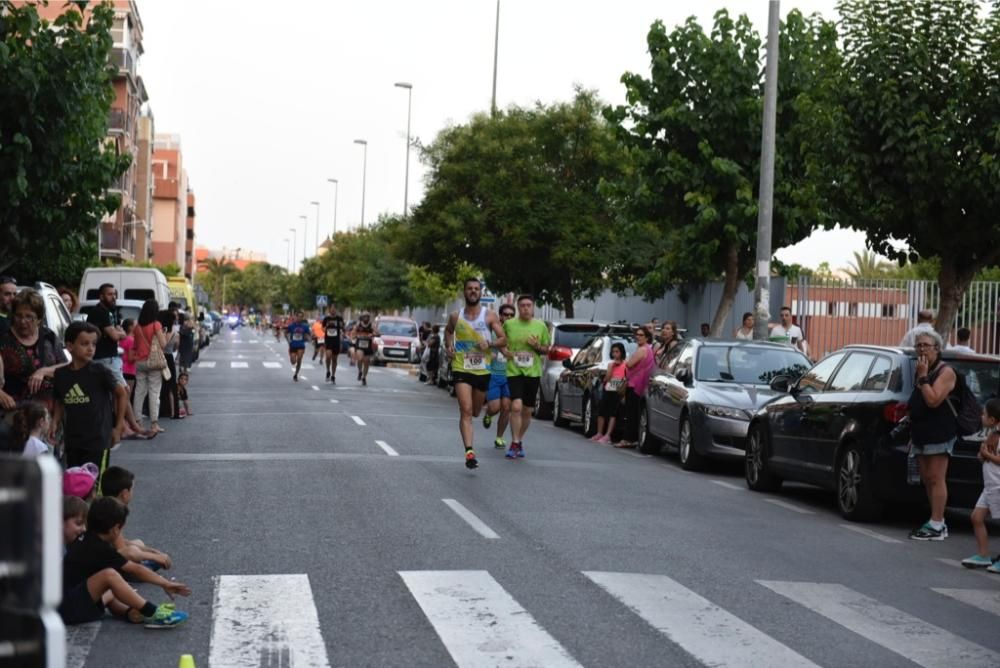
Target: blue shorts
[
  {"x": 934, "y": 448},
  {"x": 498, "y": 389}
]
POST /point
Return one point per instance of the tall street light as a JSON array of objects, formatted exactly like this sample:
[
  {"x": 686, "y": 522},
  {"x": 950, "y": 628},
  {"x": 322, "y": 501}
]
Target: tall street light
[
  {"x": 496, "y": 50},
  {"x": 305, "y": 235},
  {"x": 288, "y": 254},
  {"x": 409, "y": 107},
  {"x": 316, "y": 204},
  {"x": 336, "y": 187},
  {"x": 295, "y": 234},
  {"x": 364, "y": 174}
]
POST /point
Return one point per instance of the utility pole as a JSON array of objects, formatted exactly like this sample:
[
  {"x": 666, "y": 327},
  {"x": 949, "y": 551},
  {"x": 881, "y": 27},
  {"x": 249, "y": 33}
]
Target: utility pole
[
  {"x": 496, "y": 49},
  {"x": 765, "y": 212}
]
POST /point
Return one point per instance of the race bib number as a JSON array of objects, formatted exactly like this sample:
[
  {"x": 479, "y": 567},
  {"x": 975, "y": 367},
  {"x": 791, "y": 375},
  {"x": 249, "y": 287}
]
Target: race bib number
[
  {"x": 524, "y": 360},
  {"x": 296, "y": 336},
  {"x": 474, "y": 362},
  {"x": 363, "y": 344},
  {"x": 333, "y": 332},
  {"x": 613, "y": 384}
]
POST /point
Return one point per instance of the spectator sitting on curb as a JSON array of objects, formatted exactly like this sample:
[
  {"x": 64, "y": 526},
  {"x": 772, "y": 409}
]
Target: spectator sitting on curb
[
  {"x": 119, "y": 483},
  {"x": 81, "y": 481}
]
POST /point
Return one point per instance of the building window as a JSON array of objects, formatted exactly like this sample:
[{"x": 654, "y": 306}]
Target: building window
[
  {"x": 190, "y": 212},
  {"x": 190, "y": 235},
  {"x": 888, "y": 310}
]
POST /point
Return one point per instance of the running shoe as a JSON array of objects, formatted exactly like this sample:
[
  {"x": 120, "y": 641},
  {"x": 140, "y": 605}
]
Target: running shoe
[
  {"x": 470, "y": 459},
  {"x": 994, "y": 567},
  {"x": 327, "y": 376},
  {"x": 976, "y": 561},
  {"x": 364, "y": 381},
  {"x": 165, "y": 617},
  {"x": 499, "y": 444},
  {"x": 295, "y": 377},
  {"x": 520, "y": 450},
  {"x": 333, "y": 380},
  {"x": 927, "y": 532},
  {"x": 487, "y": 421},
  {"x": 511, "y": 451},
  {"x": 359, "y": 374}
]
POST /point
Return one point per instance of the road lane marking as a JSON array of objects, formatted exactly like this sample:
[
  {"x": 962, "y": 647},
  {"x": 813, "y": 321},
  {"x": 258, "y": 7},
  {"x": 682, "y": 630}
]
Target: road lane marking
[
  {"x": 480, "y": 624},
  {"x": 871, "y": 534},
  {"x": 789, "y": 506},
  {"x": 315, "y": 387},
  {"x": 470, "y": 517},
  {"x": 922, "y": 643},
  {"x": 701, "y": 628},
  {"x": 412, "y": 417},
  {"x": 206, "y": 365},
  {"x": 388, "y": 448},
  {"x": 263, "y": 620},
  {"x": 358, "y": 421},
  {"x": 239, "y": 365},
  {"x": 988, "y": 601},
  {"x": 334, "y": 401},
  {"x": 727, "y": 485},
  {"x": 272, "y": 365},
  {"x": 79, "y": 639}
]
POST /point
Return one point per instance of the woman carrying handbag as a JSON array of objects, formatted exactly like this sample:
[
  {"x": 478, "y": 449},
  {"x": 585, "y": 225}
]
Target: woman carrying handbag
[{"x": 149, "y": 362}]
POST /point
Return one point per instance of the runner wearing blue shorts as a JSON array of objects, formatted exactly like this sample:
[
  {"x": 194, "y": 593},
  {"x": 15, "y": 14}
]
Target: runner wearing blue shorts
[
  {"x": 498, "y": 394},
  {"x": 297, "y": 333}
]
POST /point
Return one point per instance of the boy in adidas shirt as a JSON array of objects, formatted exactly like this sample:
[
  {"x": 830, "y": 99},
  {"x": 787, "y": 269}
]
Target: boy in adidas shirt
[{"x": 90, "y": 400}]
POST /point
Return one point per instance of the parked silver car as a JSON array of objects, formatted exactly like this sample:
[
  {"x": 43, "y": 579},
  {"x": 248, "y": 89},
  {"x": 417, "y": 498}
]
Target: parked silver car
[
  {"x": 567, "y": 337},
  {"x": 702, "y": 402}
]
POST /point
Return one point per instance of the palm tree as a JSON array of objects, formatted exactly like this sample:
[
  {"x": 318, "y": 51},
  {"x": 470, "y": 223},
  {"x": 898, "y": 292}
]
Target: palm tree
[
  {"x": 215, "y": 271},
  {"x": 867, "y": 266}
]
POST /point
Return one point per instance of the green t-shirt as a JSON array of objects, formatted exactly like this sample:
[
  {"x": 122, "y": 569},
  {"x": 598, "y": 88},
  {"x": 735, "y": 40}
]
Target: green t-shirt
[{"x": 524, "y": 360}]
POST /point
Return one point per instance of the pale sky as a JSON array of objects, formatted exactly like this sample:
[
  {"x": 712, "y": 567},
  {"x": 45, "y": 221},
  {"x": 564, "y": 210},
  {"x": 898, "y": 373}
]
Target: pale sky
[{"x": 269, "y": 97}]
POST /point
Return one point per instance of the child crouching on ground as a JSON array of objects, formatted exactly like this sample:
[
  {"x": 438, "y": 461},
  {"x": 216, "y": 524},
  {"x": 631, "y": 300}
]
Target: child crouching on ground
[
  {"x": 182, "y": 393},
  {"x": 988, "y": 504},
  {"x": 118, "y": 483},
  {"x": 93, "y": 570}
]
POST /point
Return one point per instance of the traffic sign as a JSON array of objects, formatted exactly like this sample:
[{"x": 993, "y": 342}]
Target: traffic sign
[
  {"x": 321, "y": 301},
  {"x": 285, "y": 306},
  {"x": 488, "y": 300}
]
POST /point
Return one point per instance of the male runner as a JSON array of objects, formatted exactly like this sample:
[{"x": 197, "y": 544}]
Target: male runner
[
  {"x": 319, "y": 338},
  {"x": 296, "y": 333},
  {"x": 527, "y": 341},
  {"x": 467, "y": 342},
  {"x": 498, "y": 394},
  {"x": 333, "y": 330},
  {"x": 364, "y": 340}
]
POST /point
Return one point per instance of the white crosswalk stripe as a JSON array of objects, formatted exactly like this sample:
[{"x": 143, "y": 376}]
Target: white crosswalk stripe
[
  {"x": 206, "y": 365},
  {"x": 696, "y": 624},
  {"x": 988, "y": 600},
  {"x": 922, "y": 643},
  {"x": 272, "y": 365},
  {"x": 264, "y": 620},
  {"x": 480, "y": 623},
  {"x": 79, "y": 639},
  {"x": 239, "y": 365}
]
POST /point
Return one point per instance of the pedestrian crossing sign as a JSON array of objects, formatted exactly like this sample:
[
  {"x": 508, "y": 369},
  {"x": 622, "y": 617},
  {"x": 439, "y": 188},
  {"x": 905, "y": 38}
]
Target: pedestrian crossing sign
[{"x": 321, "y": 301}]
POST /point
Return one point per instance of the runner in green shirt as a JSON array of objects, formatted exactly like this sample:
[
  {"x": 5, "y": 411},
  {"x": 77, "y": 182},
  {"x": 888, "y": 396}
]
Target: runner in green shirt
[{"x": 527, "y": 341}]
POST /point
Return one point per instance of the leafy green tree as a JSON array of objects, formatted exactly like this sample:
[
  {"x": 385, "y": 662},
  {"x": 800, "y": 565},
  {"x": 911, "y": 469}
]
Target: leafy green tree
[
  {"x": 210, "y": 275},
  {"x": 693, "y": 132},
  {"x": 912, "y": 144},
  {"x": 56, "y": 162},
  {"x": 518, "y": 196}
]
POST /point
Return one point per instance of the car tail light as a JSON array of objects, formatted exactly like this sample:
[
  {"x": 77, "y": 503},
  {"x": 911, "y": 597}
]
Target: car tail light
[
  {"x": 559, "y": 353},
  {"x": 895, "y": 412}
]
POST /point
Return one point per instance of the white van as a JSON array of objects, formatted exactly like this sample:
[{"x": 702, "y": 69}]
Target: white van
[{"x": 133, "y": 284}]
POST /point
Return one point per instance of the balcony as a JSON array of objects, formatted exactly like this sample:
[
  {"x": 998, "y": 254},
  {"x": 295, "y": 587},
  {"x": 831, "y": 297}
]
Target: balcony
[
  {"x": 124, "y": 61},
  {"x": 118, "y": 122}
]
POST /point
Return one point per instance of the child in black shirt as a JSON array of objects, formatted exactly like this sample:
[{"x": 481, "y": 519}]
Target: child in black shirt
[
  {"x": 89, "y": 397},
  {"x": 92, "y": 576}
]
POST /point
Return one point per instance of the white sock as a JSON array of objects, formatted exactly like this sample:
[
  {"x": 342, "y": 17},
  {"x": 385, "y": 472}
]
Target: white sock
[{"x": 937, "y": 526}]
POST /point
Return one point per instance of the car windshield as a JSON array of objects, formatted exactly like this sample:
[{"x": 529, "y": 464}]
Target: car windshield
[
  {"x": 396, "y": 328},
  {"x": 748, "y": 364},
  {"x": 575, "y": 336},
  {"x": 982, "y": 377}
]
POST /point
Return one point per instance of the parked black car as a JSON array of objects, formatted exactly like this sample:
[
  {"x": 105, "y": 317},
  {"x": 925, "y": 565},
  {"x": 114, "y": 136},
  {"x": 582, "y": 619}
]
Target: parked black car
[
  {"x": 578, "y": 390},
  {"x": 833, "y": 428},
  {"x": 700, "y": 403}
]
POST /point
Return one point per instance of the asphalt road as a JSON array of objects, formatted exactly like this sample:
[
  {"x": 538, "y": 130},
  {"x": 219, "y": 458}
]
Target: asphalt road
[{"x": 336, "y": 525}]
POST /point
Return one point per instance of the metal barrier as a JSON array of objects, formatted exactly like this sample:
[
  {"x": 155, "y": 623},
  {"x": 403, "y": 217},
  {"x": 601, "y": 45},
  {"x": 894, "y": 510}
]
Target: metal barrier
[{"x": 31, "y": 632}]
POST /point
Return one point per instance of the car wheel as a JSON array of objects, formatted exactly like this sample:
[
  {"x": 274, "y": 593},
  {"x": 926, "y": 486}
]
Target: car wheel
[
  {"x": 543, "y": 410},
  {"x": 557, "y": 418},
  {"x": 648, "y": 444},
  {"x": 691, "y": 459},
  {"x": 759, "y": 477},
  {"x": 855, "y": 497},
  {"x": 589, "y": 416}
]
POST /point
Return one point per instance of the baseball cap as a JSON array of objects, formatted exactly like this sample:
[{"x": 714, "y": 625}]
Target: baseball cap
[{"x": 80, "y": 480}]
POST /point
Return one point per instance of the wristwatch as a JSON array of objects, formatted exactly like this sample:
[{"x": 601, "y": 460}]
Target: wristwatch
[{"x": 923, "y": 380}]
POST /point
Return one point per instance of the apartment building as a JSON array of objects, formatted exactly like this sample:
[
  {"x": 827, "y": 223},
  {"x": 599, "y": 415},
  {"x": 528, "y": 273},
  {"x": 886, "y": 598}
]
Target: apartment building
[{"x": 170, "y": 202}]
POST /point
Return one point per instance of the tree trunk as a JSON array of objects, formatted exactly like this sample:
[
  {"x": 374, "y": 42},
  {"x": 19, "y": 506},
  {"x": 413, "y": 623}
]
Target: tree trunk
[
  {"x": 953, "y": 282},
  {"x": 566, "y": 296},
  {"x": 731, "y": 284}
]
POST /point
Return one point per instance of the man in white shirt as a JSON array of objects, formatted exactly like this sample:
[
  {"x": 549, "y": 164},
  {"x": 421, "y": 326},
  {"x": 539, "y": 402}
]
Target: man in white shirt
[
  {"x": 786, "y": 332},
  {"x": 962, "y": 336},
  {"x": 925, "y": 322}
]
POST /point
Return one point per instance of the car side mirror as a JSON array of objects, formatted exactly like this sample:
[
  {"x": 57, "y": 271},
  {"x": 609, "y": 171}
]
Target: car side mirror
[
  {"x": 567, "y": 364},
  {"x": 683, "y": 375},
  {"x": 784, "y": 384}
]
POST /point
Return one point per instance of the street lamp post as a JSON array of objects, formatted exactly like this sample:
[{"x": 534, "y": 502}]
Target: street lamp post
[
  {"x": 305, "y": 235},
  {"x": 409, "y": 107},
  {"x": 295, "y": 236},
  {"x": 288, "y": 254},
  {"x": 364, "y": 174},
  {"x": 316, "y": 204},
  {"x": 336, "y": 188}
]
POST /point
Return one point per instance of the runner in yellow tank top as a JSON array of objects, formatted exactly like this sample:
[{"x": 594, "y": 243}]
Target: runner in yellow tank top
[{"x": 467, "y": 342}]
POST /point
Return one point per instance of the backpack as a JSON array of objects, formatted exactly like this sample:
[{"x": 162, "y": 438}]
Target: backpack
[{"x": 968, "y": 413}]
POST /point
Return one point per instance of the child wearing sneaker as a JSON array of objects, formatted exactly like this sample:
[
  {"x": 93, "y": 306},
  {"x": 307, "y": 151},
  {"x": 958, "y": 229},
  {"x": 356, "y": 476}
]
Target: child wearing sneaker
[
  {"x": 119, "y": 483},
  {"x": 988, "y": 504},
  {"x": 93, "y": 575}
]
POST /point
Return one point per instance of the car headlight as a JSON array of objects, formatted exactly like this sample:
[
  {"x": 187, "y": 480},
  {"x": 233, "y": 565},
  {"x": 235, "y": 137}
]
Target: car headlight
[{"x": 727, "y": 412}]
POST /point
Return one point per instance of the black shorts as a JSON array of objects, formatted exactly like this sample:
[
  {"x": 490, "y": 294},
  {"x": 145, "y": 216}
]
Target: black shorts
[
  {"x": 296, "y": 350},
  {"x": 333, "y": 344},
  {"x": 611, "y": 402},
  {"x": 524, "y": 388},
  {"x": 78, "y": 607},
  {"x": 478, "y": 381}
]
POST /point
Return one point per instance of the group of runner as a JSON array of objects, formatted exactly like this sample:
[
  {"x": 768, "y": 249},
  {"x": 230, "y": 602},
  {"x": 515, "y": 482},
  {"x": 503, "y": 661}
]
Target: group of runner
[{"x": 328, "y": 335}]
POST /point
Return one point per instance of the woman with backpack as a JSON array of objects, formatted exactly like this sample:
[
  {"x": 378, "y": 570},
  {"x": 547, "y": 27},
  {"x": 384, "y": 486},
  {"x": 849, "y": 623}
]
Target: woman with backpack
[{"x": 933, "y": 429}]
